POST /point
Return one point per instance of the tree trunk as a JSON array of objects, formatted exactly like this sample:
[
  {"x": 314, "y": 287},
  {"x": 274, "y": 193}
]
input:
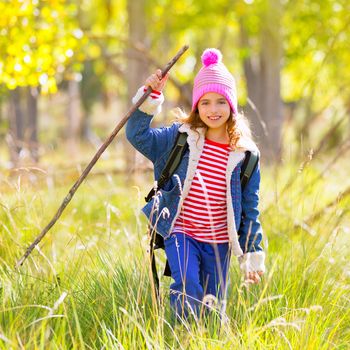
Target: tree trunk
[
  {"x": 1, "y": 107},
  {"x": 15, "y": 138},
  {"x": 263, "y": 83},
  {"x": 74, "y": 115},
  {"x": 22, "y": 137},
  {"x": 270, "y": 98},
  {"x": 32, "y": 123},
  {"x": 90, "y": 92},
  {"x": 137, "y": 67}
]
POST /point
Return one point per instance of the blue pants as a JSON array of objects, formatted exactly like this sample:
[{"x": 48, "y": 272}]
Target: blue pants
[{"x": 198, "y": 269}]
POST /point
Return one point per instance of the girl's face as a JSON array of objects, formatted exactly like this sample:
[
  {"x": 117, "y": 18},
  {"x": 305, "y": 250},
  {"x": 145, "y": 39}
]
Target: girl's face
[{"x": 214, "y": 110}]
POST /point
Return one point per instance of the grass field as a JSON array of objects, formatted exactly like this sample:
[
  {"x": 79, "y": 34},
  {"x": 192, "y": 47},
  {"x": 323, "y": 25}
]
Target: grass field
[{"x": 87, "y": 286}]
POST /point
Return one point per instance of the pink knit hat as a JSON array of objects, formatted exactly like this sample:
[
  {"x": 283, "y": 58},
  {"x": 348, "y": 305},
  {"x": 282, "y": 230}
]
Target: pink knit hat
[{"x": 214, "y": 77}]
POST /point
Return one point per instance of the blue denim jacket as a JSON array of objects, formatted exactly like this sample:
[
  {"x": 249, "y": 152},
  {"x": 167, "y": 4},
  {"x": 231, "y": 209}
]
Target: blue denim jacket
[{"x": 163, "y": 209}]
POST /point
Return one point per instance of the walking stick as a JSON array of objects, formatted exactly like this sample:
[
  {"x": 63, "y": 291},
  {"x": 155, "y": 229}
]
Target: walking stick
[{"x": 86, "y": 171}]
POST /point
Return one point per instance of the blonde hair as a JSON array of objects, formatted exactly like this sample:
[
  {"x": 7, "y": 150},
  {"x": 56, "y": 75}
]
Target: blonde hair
[{"x": 237, "y": 125}]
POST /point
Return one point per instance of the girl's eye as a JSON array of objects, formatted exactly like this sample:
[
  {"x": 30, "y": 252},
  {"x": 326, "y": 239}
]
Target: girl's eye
[{"x": 220, "y": 102}]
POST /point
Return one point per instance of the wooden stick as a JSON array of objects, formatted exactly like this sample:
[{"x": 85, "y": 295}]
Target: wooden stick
[{"x": 103, "y": 147}]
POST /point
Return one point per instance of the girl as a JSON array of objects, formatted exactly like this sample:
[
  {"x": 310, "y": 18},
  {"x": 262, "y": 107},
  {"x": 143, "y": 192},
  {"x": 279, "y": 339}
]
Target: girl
[{"x": 201, "y": 212}]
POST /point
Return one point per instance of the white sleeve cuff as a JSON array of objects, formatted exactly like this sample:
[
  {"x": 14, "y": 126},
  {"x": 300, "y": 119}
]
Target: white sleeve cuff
[
  {"x": 252, "y": 262},
  {"x": 152, "y": 104}
]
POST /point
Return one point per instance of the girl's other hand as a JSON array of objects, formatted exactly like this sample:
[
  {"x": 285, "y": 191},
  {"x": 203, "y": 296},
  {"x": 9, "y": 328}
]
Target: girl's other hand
[
  {"x": 253, "y": 277},
  {"x": 155, "y": 80}
]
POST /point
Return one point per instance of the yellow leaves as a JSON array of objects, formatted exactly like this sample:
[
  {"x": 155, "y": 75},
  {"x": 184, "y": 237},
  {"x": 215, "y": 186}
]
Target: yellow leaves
[
  {"x": 38, "y": 40},
  {"x": 94, "y": 51},
  {"x": 80, "y": 56},
  {"x": 44, "y": 36},
  {"x": 44, "y": 62},
  {"x": 46, "y": 14},
  {"x": 50, "y": 87},
  {"x": 32, "y": 80},
  {"x": 241, "y": 9},
  {"x": 12, "y": 49},
  {"x": 99, "y": 67},
  {"x": 11, "y": 83},
  {"x": 44, "y": 50}
]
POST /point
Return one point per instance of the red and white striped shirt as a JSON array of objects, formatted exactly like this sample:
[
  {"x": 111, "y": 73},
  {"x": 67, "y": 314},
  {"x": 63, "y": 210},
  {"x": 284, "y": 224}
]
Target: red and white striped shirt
[{"x": 203, "y": 214}]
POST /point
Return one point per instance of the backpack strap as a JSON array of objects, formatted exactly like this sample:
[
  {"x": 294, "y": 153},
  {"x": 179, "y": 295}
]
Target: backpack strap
[
  {"x": 249, "y": 164},
  {"x": 179, "y": 148}
]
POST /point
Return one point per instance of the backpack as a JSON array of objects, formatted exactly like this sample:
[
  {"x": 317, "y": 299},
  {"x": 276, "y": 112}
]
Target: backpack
[{"x": 178, "y": 150}]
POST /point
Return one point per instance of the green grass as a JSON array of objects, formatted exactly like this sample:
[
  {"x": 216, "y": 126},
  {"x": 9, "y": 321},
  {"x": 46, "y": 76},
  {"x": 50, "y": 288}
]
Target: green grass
[{"x": 87, "y": 286}]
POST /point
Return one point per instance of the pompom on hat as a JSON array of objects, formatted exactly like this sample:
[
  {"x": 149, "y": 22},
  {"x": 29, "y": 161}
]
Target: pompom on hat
[{"x": 214, "y": 77}]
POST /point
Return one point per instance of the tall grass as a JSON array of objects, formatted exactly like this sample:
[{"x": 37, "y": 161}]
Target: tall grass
[{"x": 87, "y": 286}]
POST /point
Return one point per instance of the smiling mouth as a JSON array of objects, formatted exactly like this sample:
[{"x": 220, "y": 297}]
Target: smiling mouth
[{"x": 217, "y": 117}]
